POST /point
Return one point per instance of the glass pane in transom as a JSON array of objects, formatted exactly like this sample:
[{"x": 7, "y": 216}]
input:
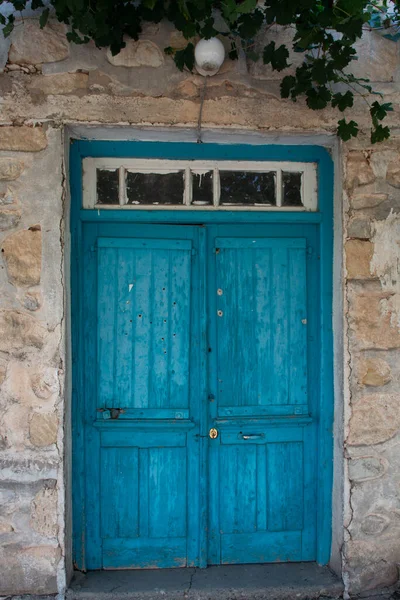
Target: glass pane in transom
[
  {"x": 248, "y": 188},
  {"x": 155, "y": 188},
  {"x": 202, "y": 188},
  {"x": 291, "y": 189},
  {"x": 107, "y": 186}
]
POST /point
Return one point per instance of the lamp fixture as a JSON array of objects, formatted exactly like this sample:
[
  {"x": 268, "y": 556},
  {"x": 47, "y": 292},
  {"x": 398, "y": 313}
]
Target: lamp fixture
[{"x": 209, "y": 56}]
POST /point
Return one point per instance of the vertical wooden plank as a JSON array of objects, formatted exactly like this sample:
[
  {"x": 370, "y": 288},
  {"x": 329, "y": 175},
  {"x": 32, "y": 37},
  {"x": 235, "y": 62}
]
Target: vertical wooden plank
[
  {"x": 261, "y": 488},
  {"x": 285, "y": 490},
  {"x": 263, "y": 338},
  {"x": 238, "y": 489},
  {"x": 246, "y": 492},
  {"x": 226, "y": 296},
  {"x": 144, "y": 498},
  {"x": 167, "y": 492},
  {"x": 106, "y": 318},
  {"x": 158, "y": 375},
  {"x": 279, "y": 330},
  {"x": 179, "y": 320},
  {"x": 123, "y": 343},
  {"x": 142, "y": 328},
  {"x": 119, "y": 492},
  {"x": 245, "y": 361},
  {"x": 297, "y": 325},
  {"x": 228, "y": 482}
]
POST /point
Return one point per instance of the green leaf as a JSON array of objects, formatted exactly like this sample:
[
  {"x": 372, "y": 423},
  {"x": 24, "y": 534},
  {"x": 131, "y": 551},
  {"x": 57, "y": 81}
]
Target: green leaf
[
  {"x": 276, "y": 57},
  {"x": 379, "y": 111},
  {"x": 343, "y": 101},
  {"x": 287, "y": 84},
  {"x": 379, "y": 133},
  {"x": 169, "y": 51},
  {"x": 318, "y": 98},
  {"x": 247, "y": 6},
  {"x": 347, "y": 129},
  {"x": 44, "y": 17},
  {"x": 185, "y": 58}
]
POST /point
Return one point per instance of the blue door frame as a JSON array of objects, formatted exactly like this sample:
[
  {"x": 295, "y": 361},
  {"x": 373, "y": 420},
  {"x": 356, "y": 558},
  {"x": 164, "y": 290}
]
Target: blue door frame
[{"x": 322, "y": 220}]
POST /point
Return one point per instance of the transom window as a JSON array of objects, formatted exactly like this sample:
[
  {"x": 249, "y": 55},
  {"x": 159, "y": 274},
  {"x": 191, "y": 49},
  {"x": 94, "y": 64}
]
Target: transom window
[{"x": 223, "y": 185}]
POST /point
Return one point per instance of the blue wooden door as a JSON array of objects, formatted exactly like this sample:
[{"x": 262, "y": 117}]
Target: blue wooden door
[
  {"x": 143, "y": 387},
  {"x": 188, "y": 329},
  {"x": 263, "y": 310}
]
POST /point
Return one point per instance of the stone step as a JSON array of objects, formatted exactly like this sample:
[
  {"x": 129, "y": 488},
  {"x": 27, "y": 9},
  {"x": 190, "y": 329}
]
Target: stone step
[{"x": 290, "y": 581}]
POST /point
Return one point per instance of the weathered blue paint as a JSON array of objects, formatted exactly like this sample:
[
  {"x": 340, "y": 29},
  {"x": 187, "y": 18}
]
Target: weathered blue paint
[{"x": 150, "y": 488}]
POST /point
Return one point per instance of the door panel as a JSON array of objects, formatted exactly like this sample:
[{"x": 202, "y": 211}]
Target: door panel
[
  {"x": 143, "y": 425},
  {"x": 262, "y": 315},
  {"x": 144, "y": 324},
  {"x": 261, "y": 492}
]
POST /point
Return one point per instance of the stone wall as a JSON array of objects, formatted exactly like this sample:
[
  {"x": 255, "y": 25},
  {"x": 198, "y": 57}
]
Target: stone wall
[{"x": 46, "y": 84}]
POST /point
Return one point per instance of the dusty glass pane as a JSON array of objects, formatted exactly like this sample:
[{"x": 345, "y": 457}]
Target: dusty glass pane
[
  {"x": 155, "y": 188},
  {"x": 107, "y": 186},
  {"x": 202, "y": 188},
  {"x": 244, "y": 187},
  {"x": 291, "y": 189}
]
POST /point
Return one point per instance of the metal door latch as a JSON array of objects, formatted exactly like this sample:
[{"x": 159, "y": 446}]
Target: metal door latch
[{"x": 110, "y": 413}]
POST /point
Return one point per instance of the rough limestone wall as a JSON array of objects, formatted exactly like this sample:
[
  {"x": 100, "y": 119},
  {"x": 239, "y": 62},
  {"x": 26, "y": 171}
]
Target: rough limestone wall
[
  {"x": 31, "y": 359},
  {"x": 46, "y": 84},
  {"x": 372, "y": 186}
]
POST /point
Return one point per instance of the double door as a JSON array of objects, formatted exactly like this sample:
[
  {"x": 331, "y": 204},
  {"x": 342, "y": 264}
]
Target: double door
[{"x": 200, "y": 350}]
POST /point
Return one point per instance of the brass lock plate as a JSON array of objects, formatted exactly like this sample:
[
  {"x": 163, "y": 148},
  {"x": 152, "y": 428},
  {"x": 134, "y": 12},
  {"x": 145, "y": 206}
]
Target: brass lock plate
[{"x": 213, "y": 433}]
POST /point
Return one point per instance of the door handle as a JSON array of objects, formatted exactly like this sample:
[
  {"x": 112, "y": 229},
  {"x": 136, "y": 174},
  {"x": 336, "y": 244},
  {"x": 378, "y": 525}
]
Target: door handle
[
  {"x": 213, "y": 433},
  {"x": 252, "y": 436}
]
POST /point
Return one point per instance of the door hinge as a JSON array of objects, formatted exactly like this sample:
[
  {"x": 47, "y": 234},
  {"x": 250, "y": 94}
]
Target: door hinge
[
  {"x": 194, "y": 252},
  {"x": 93, "y": 248},
  {"x": 310, "y": 250}
]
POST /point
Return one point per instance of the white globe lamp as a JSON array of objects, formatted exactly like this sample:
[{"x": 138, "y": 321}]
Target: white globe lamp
[{"x": 209, "y": 56}]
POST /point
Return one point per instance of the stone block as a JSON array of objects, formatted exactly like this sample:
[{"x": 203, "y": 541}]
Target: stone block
[
  {"x": 64, "y": 83},
  {"x": 43, "y": 429},
  {"x": 10, "y": 168},
  {"x": 44, "y": 513},
  {"x": 22, "y": 252},
  {"x": 358, "y": 259},
  {"x": 370, "y": 200},
  {"x": 23, "y": 139},
  {"x": 29, "y": 568},
  {"x": 374, "y": 372},
  {"x": 359, "y": 228},
  {"x": 366, "y": 468},
  {"x": 45, "y": 383},
  {"x": 9, "y": 218},
  {"x": 393, "y": 173},
  {"x": 375, "y": 524},
  {"x": 31, "y": 45},
  {"x": 371, "y": 322},
  {"x": 374, "y": 419},
  {"x": 358, "y": 170},
  {"x": 19, "y": 332},
  {"x": 137, "y": 54}
]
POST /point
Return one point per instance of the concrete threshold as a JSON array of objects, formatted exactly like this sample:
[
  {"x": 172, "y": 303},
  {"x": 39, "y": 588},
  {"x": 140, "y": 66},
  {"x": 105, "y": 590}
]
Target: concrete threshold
[{"x": 290, "y": 581}]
